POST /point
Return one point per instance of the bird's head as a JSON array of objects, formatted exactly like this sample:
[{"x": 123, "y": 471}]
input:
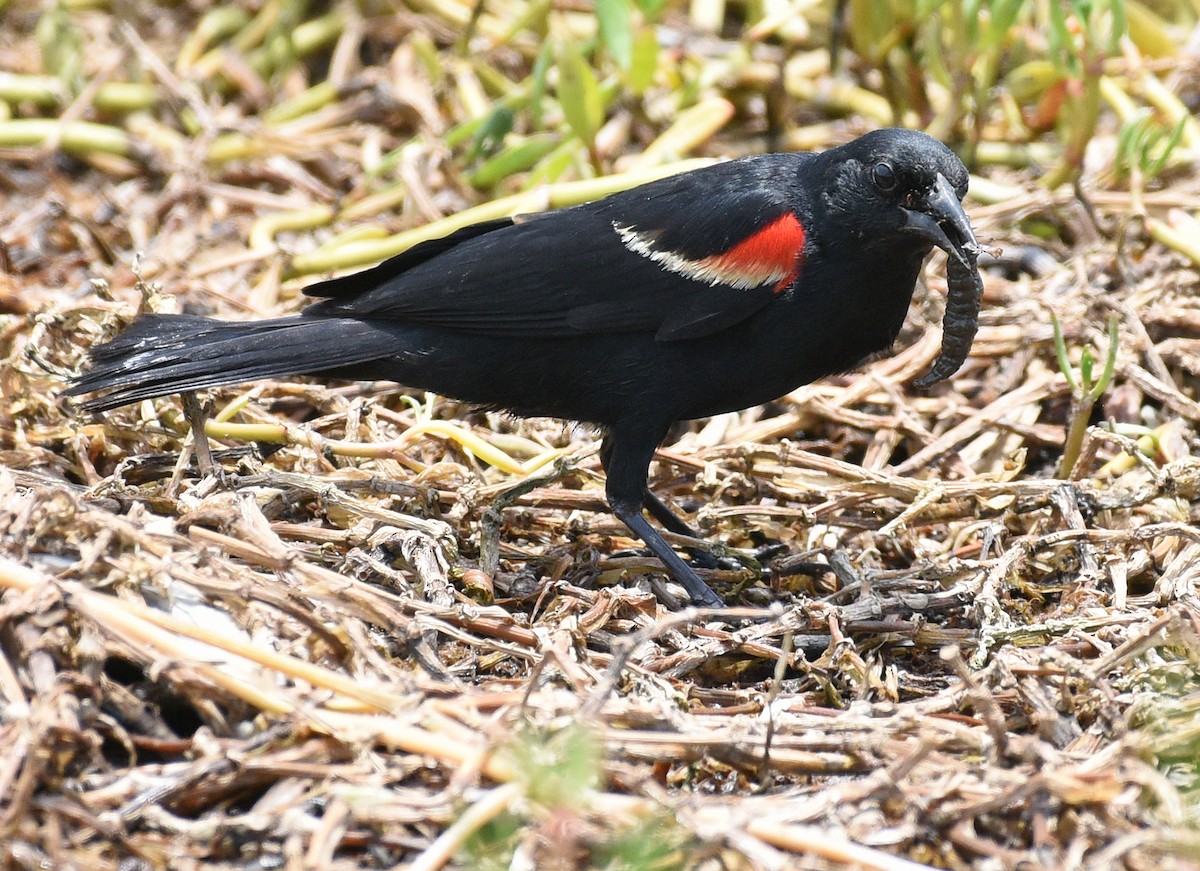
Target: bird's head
[
  {"x": 901, "y": 191},
  {"x": 893, "y": 186}
]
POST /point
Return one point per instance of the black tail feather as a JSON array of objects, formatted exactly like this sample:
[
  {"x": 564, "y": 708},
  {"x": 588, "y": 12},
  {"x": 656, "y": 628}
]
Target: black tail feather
[{"x": 163, "y": 354}]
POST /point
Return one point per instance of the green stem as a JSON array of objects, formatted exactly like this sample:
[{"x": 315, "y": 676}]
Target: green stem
[{"x": 1081, "y": 413}]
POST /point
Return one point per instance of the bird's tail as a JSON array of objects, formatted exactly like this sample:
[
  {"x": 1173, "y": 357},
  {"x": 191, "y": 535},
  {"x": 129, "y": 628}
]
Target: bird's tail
[{"x": 162, "y": 354}]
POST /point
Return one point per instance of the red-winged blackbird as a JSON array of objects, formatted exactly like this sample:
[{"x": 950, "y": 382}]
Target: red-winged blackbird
[{"x": 701, "y": 293}]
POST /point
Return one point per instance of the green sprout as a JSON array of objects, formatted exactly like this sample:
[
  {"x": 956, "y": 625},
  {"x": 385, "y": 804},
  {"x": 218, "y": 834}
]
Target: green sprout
[
  {"x": 1144, "y": 147},
  {"x": 1085, "y": 389},
  {"x": 560, "y": 770}
]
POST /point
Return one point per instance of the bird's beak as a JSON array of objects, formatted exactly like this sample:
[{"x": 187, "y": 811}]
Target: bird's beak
[{"x": 939, "y": 218}]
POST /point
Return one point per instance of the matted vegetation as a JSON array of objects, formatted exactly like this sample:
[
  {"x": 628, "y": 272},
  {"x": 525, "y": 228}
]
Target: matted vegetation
[{"x": 400, "y": 632}]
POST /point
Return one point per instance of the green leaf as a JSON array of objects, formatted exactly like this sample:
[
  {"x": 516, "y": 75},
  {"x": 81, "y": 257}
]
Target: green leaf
[
  {"x": 579, "y": 93},
  {"x": 1156, "y": 164},
  {"x": 514, "y": 159},
  {"x": 872, "y": 27},
  {"x": 1060, "y": 351},
  {"x": 615, "y": 18},
  {"x": 1110, "y": 359},
  {"x": 535, "y": 18},
  {"x": 1119, "y": 26},
  {"x": 492, "y": 846},
  {"x": 926, "y": 8},
  {"x": 555, "y": 164},
  {"x": 650, "y": 7},
  {"x": 1004, "y": 15},
  {"x": 1062, "y": 46},
  {"x": 489, "y": 138},
  {"x": 558, "y": 767},
  {"x": 541, "y": 66},
  {"x": 645, "y": 62},
  {"x": 62, "y": 46}
]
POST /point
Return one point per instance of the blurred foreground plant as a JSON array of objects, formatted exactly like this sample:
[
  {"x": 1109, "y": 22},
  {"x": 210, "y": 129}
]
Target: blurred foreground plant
[{"x": 559, "y": 771}]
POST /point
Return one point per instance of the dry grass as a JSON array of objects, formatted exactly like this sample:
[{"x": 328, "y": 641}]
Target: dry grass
[{"x": 444, "y": 652}]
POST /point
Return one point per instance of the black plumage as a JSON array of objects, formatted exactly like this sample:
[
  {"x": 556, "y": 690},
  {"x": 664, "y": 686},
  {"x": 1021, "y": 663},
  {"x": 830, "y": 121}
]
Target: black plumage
[{"x": 697, "y": 294}]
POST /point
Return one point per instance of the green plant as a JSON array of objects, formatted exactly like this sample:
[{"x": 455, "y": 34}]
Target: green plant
[
  {"x": 1086, "y": 390},
  {"x": 1144, "y": 147},
  {"x": 1083, "y": 34},
  {"x": 559, "y": 771}
]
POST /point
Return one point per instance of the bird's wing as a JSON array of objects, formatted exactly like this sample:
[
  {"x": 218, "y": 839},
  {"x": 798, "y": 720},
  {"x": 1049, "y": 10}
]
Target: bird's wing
[{"x": 683, "y": 257}]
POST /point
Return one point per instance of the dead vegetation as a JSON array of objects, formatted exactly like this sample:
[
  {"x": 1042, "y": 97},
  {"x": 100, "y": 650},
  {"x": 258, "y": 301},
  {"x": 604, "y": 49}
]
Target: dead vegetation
[{"x": 401, "y": 632}]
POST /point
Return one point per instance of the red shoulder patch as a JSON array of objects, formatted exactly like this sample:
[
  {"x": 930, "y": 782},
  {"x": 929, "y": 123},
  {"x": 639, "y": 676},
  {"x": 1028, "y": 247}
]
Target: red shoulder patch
[
  {"x": 774, "y": 253},
  {"x": 771, "y": 256}
]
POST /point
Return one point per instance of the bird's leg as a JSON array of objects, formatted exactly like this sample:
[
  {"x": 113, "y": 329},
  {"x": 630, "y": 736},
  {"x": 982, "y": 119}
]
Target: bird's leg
[
  {"x": 662, "y": 512},
  {"x": 627, "y": 460},
  {"x": 658, "y": 509}
]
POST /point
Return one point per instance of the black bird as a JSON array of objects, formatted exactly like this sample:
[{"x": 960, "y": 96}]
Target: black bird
[{"x": 701, "y": 293}]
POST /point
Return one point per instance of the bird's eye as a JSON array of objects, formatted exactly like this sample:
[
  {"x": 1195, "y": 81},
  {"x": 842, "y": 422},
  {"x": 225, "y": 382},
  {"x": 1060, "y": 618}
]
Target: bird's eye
[{"x": 884, "y": 176}]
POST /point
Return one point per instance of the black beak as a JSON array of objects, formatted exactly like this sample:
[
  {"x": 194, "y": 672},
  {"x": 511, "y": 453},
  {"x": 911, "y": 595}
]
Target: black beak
[
  {"x": 939, "y": 216},
  {"x": 939, "y": 219}
]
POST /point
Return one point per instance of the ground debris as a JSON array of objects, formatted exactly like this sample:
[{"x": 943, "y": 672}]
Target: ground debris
[{"x": 398, "y": 631}]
